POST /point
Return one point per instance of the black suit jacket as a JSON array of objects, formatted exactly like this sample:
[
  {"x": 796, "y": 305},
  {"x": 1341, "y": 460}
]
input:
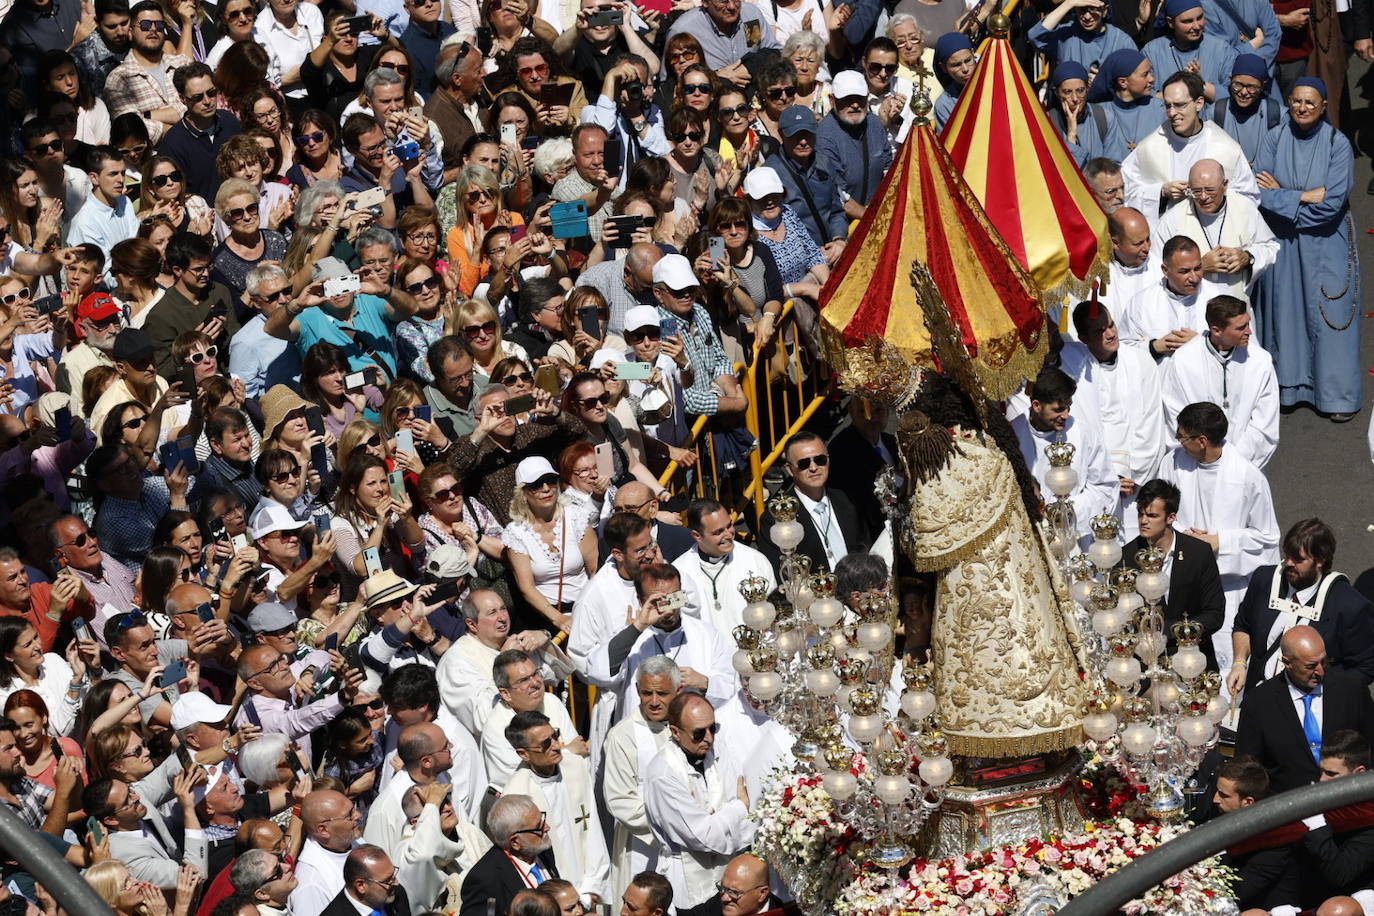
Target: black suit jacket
[
  {"x": 846, "y": 516},
  {"x": 1346, "y": 625},
  {"x": 857, "y": 465},
  {"x": 1268, "y": 877},
  {"x": 673, "y": 541},
  {"x": 342, "y": 906},
  {"x": 1194, "y": 586},
  {"x": 1335, "y": 864},
  {"x": 714, "y": 907},
  {"x": 1271, "y": 732},
  {"x": 494, "y": 875}
]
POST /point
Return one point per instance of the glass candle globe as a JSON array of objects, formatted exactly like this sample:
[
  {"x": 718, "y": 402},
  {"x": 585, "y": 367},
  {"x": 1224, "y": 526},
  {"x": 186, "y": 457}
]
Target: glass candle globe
[
  {"x": 1104, "y": 554},
  {"x": 788, "y": 642},
  {"x": 1081, "y": 590},
  {"x": 1105, "y": 623},
  {"x": 839, "y": 643},
  {"x": 1195, "y": 730},
  {"x": 1217, "y": 709},
  {"x": 1152, "y": 585},
  {"x": 803, "y": 600},
  {"x": 825, "y": 612},
  {"x": 1189, "y": 662},
  {"x": 874, "y": 635},
  {"x": 1167, "y": 692},
  {"x": 1149, "y": 646},
  {"x": 865, "y": 728},
  {"x": 893, "y": 790},
  {"x": 741, "y": 663},
  {"x": 822, "y": 682},
  {"x": 936, "y": 771},
  {"x": 1129, "y": 603},
  {"x": 787, "y": 535},
  {"x": 840, "y": 785},
  {"x": 758, "y": 615},
  {"x": 1138, "y": 738},
  {"x": 765, "y": 685},
  {"x": 1099, "y": 726},
  {"x": 842, "y": 696},
  {"x": 918, "y": 704},
  {"x": 1123, "y": 672},
  {"x": 1061, "y": 481}
]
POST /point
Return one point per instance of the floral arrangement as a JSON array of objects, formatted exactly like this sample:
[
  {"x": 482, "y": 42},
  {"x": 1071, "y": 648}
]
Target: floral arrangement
[{"x": 800, "y": 834}]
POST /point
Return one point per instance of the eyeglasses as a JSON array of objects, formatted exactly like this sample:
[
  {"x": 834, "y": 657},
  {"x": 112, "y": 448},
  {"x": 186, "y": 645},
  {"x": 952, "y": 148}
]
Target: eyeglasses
[
  {"x": 646, "y": 334},
  {"x": 210, "y": 93},
  {"x": 699, "y": 734},
  {"x": 152, "y": 25},
  {"x": 782, "y": 92},
  {"x": 548, "y": 480},
  {"x": 284, "y": 476},
  {"x": 136, "y": 752},
  {"x": 477, "y": 194},
  {"x": 201, "y": 356},
  {"x": 316, "y": 136},
  {"x": 350, "y": 816},
  {"x": 682, "y": 55},
  {"x": 517, "y": 378},
  {"x": 819, "y": 460},
  {"x": 39, "y": 149},
  {"x": 283, "y": 293},
  {"x": 430, "y": 282},
  {"x": 730, "y": 893},
  {"x": 447, "y": 493},
  {"x": 1237, "y": 87},
  {"x": 542, "y": 829},
  {"x": 733, "y": 224},
  {"x": 693, "y": 135},
  {"x": 536, "y": 70},
  {"x": 876, "y": 68},
  {"x": 588, "y": 403},
  {"x": 1178, "y": 106},
  {"x": 81, "y": 540},
  {"x": 696, "y": 88},
  {"x": 205, "y": 268},
  {"x": 543, "y": 746},
  {"x": 244, "y": 12},
  {"x": 12, "y": 298},
  {"x": 739, "y": 111},
  {"x": 135, "y": 423},
  {"x": 239, "y": 213},
  {"x": 423, "y": 237},
  {"x": 651, "y": 501},
  {"x": 474, "y": 331},
  {"x": 280, "y": 663}
]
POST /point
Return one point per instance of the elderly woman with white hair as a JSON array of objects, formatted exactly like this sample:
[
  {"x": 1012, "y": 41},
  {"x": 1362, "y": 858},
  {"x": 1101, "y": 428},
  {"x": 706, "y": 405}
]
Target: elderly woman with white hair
[
  {"x": 248, "y": 244},
  {"x": 806, "y": 50},
  {"x": 553, "y": 160},
  {"x": 912, "y": 50},
  {"x": 271, "y": 764}
]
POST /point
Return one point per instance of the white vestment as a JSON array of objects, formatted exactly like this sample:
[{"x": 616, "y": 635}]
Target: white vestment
[
  {"x": 1157, "y": 310},
  {"x": 1124, "y": 282},
  {"x": 566, "y": 798},
  {"x": 631, "y": 744},
  {"x": 1229, "y": 498},
  {"x": 1164, "y": 156},
  {"x": 760, "y": 745},
  {"x": 386, "y": 819},
  {"x": 501, "y": 759},
  {"x": 468, "y": 775},
  {"x": 713, "y": 588},
  {"x": 607, "y": 604},
  {"x": 696, "y": 645},
  {"x": 1242, "y": 383},
  {"x": 1097, "y": 487},
  {"x": 466, "y": 684},
  {"x": 698, "y": 819},
  {"x": 428, "y": 861},
  {"x": 1238, "y": 224}
]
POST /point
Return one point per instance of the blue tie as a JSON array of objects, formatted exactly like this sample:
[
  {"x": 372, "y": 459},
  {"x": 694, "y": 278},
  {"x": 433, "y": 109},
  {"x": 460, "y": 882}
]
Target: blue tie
[
  {"x": 536, "y": 874},
  {"x": 1311, "y": 728}
]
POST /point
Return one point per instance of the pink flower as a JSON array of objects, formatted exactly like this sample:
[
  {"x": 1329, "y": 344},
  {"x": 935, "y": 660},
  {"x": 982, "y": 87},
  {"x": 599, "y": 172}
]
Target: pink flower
[
  {"x": 1052, "y": 854},
  {"x": 963, "y": 887}
]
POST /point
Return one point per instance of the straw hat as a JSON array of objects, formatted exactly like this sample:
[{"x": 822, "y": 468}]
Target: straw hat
[{"x": 276, "y": 404}]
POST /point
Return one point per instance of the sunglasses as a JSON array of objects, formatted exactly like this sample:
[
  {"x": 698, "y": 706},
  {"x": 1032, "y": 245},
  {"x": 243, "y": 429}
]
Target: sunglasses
[
  {"x": 543, "y": 746},
  {"x": 733, "y": 224},
  {"x": 152, "y": 25},
  {"x": 696, "y": 88},
  {"x": 537, "y": 70},
  {"x": 312, "y": 137},
  {"x": 51, "y": 146},
  {"x": 477, "y": 194},
  {"x": 166, "y": 179},
  {"x": 739, "y": 111},
  {"x": 819, "y": 460},
  {"x": 588, "y": 403},
  {"x": 131, "y": 620},
  {"x": 548, "y": 480},
  {"x": 12, "y": 298},
  {"x": 375, "y": 441},
  {"x": 699, "y": 734},
  {"x": 239, "y": 213},
  {"x": 887, "y": 69},
  {"x": 517, "y": 378},
  {"x": 135, "y": 423},
  {"x": 646, "y": 334},
  {"x": 402, "y": 69},
  {"x": 682, "y": 55},
  {"x": 444, "y": 495},
  {"x": 209, "y": 352},
  {"x": 693, "y": 135},
  {"x": 210, "y": 93},
  {"x": 784, "y": 92},
  {"x": 284, "y": 476},
  {"x": 81, "y": 540},
  {"x": 283, "y": 293},
  {"x": 474, "y": 331},
  {"x": 430, "y": 282},
  {"x": 241, "y": 13}
]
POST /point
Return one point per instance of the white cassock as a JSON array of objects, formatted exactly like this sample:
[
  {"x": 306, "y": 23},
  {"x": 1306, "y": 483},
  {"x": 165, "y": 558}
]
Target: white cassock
[
  {"x": 1097, "y": 487},
  {"x": 1164, "y": 156},
  {"x": 698, "y": 819},
  {"x": 386, "y": 819},
  {"x": 428, "y": 861},
  {"x": 630, "y": 745},
  {"x": 1157, "y": 310},
  {"x": 607, "y": 604},
  {"x": 465, "y": 678},
  {"x": 321, "y": 878},
  {"x": 1242, "y": 383},
  {"x": 713, "y": 588},
  {"x": 468, "y": 775},
  {"x": 1231, "y": 499},
  {"x": 1128, "y": 398},
  {"x": 758, "y": 743},
  {"x": 1238, "y": 224},
  {"x": 500, "y": 758},
  {"x": 566, "y": 798},
  {"x": 1084, "y": 396},
  {"x": 1124, "y": 282},
  {"x": 694, "y": 644}
]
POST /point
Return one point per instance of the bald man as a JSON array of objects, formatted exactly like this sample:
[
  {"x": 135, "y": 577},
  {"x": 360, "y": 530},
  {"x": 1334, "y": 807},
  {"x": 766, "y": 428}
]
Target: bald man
[
  {"x": 744, "y": 891},
  {"x": 1284, "y": 720},
  {"x": 1130, "y": 269},
  {"x": 332, "y": 825},
  {"x": 426, "y": 757},
  {"x": 1237, "y": 244},
  {"x": 625, "y": 282}
]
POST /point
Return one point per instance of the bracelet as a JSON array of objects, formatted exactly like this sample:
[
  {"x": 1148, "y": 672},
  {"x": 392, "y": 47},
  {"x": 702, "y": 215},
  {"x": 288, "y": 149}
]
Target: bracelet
[{"x": 1240, "y": 665}]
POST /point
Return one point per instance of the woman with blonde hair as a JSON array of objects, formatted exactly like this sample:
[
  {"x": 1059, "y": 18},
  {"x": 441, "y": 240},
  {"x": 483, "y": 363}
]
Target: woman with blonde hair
[
  {"x": 550, "y": 545},
  {"x": 243, "y": 157},
  {"x": 128, "y": 896},
  {"x": 238, "y": 205},
  {"x": 362, "y": 437},
  {"x": 476, "y": 320},
  {"x": 475, "y": 202}
]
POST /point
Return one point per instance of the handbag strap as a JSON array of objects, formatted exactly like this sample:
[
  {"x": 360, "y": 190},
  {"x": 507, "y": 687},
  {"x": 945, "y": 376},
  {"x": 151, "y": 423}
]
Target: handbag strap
[{"x": 806, "y": 195}]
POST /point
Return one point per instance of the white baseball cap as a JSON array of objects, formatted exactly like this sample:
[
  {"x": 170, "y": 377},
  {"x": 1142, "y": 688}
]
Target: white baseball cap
[
  {"x": 849, "y": 83},
  {"x": 271, "y": 516},
  {"x": 641, "y": 316},
  {"x": 532, "y": 469},
  {"x": 761, "y": 182},
  {"x": 675, "y": 272},
  {"x": 194, "y": 707}
]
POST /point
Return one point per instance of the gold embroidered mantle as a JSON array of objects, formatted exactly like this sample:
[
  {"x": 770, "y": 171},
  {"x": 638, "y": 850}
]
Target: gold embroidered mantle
[{"x": 1006, "y": 648}]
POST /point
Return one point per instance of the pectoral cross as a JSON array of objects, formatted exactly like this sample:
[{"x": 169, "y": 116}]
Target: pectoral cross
[{"x": 583, "y": 819}]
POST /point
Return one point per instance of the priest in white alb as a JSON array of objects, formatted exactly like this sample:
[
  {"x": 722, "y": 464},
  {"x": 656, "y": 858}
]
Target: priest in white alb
[
  {"x": 631, "y": 744},
  {"x": 1229, "y": 369},
  {"x": 1156, "y": 171},
  {"x": 1167, "y": 314},
  {"x": 1237, "y": 244},
  {"x": 1225, "y": 501},
  {"x": 1128, "y": 400},
  {"x": 1132, "y": 268},
  {"x": 716, "y": 565}
]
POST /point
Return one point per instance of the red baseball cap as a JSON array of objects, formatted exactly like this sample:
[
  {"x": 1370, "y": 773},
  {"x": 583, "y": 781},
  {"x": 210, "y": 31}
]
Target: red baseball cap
[{"x": 97, "y": 307}]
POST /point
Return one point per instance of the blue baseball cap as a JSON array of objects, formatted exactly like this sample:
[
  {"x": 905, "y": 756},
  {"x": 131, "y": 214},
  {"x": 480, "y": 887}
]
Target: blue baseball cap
[{"x": 795, "y": 119}]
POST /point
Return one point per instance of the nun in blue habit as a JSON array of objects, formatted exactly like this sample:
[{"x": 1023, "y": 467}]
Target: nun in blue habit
[
  {"x": 1125, "y": 87},
  {"x": 1170, "y": 53},
  {"x": 1094, "y": 131},
  {"x": 952, "y": 75},
  {"x": 1248, "y": 116},
  {"x": 1308, "y": 305}
]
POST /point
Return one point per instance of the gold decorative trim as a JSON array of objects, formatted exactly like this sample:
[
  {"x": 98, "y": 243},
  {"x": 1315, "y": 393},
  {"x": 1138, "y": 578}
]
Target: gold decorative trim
[{"x": 1043, "y": 742}]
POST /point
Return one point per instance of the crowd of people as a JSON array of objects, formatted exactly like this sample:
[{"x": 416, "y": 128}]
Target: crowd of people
[{"x": 352, "y": 352}]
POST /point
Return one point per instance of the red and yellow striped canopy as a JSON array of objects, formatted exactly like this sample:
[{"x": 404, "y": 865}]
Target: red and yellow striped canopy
[
  {"x": 1017, "y": 165},
  {"x": 925, "y": 212}
]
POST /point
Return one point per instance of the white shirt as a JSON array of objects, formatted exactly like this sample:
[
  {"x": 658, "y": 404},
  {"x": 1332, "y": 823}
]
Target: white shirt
[
  {"x": 1242, "y": 382},
  {"x": 823, "y": 515},
  {"x": 1157, "y": 310},
  {"x": 289, "y": 48},
  {"x": 320, "y": 873},
  {"x": 1299, "y": 704}
]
